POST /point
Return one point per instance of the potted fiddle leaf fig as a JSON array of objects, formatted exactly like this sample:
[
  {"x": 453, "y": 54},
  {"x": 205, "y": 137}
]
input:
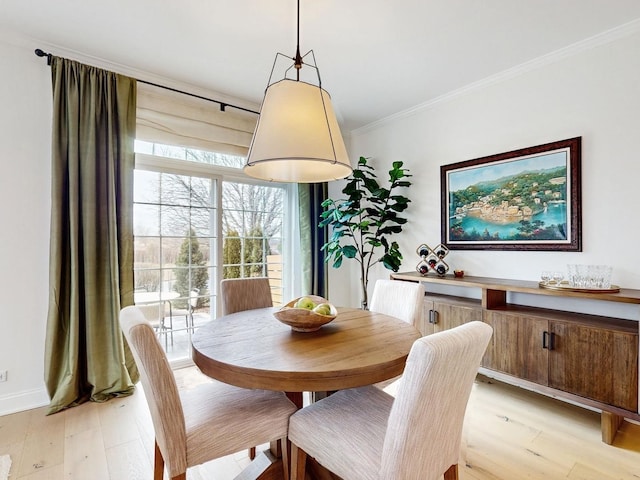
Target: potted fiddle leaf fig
[{"x": 364, "y": 222}]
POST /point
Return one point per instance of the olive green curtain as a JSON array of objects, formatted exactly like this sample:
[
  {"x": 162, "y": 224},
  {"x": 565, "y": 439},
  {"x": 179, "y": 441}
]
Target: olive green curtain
[
  {"x": 312, "y": 238},
  {"x": 91, "y": 250}
]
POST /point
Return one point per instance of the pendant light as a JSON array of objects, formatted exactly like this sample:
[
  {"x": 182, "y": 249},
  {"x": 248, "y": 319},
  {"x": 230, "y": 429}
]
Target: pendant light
[{"x": 297, "y": 137}]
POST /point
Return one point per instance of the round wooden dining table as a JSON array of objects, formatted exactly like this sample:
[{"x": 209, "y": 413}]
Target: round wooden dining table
[{"x": 252, "y": 349}]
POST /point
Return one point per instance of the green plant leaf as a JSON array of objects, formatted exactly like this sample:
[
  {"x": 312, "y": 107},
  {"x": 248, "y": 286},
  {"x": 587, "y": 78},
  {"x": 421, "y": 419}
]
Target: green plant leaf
[
  {"x": 391, "y": 263},
  {"x": 349, "y": 251},
  {"x": 389, "y": 229},
  {"x": 398, "y": 207},
  {"x": 357, "y": 174}
]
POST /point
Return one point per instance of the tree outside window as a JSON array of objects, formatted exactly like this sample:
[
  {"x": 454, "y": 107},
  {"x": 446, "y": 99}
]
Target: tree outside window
[{"x": 191, "y": 274}]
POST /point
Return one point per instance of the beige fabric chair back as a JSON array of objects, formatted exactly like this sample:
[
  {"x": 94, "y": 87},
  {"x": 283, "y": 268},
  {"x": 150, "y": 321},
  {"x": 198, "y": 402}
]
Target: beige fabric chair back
[
  {"x": 156, "y": 376},
  {"x": 425, "y": 423},
  {"x": 399, "y": 299},
  {"x": 240, "y": 294}
]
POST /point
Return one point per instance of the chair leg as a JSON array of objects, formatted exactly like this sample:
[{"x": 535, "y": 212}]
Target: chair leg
[
  {"x": 298, "y": 463},
  {"x": 451, "y": 473},
  {"x": 158, "y": 464},
  {"x": 170, "y": 320},
  {"x": 170, "y": 329},
  {"x": 284, "y": 447},
  {"x": 252, "y": 453},
  {"x": 188, "y": 319}
]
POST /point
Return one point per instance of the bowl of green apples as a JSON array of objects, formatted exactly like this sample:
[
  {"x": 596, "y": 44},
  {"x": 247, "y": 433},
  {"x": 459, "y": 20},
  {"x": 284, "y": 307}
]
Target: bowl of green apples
[{"x": 307, "y": 313}]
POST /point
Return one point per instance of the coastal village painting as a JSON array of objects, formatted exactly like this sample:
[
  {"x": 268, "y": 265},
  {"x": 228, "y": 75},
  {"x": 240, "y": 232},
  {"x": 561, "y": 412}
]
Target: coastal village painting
[{"x": 524, "y": 199}]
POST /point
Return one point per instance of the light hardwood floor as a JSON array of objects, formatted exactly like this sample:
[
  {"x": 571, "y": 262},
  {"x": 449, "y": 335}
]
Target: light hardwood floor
[{"x": 509, "y": 434}]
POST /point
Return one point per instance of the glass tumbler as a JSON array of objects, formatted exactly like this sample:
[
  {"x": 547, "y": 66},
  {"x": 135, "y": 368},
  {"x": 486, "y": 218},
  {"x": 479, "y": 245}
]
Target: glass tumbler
[{"x": 572, "y": 272}]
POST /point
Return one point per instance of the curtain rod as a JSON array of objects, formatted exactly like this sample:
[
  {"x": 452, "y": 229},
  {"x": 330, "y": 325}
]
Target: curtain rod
[{"x": 223, "y": 105}]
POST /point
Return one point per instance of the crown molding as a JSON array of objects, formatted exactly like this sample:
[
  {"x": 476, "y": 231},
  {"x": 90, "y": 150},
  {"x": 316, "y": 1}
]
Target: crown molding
[{"x": 590, "y": 43}]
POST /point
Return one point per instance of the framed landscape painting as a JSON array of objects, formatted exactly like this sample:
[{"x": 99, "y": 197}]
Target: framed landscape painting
[{"x": 527, "y": 199}]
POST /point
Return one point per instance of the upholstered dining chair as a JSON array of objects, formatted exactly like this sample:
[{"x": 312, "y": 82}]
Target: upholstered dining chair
[
  {"x": 240, "y": 294},
  {"x": 399, "y": 299},
  {"x": 201, "y": 424},
  {"x": 365, "y": 434}
]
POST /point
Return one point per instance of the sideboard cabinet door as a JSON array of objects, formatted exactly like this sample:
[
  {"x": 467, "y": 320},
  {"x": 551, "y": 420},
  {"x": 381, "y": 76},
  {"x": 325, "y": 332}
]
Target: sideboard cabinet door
[
  {"x": 595, "y": 363},
  {"x": 516, "y": 347},
  {"x": 446, "y": 312}
]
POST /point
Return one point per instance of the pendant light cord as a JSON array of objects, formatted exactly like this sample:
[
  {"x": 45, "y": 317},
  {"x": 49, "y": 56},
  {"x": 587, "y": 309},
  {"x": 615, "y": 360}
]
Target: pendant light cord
[{"x": 298, "y": 59}]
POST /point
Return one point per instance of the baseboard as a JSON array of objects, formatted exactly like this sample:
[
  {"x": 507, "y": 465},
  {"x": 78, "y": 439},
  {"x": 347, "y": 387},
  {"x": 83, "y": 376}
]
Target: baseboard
[{"x": 25, "y": 400}]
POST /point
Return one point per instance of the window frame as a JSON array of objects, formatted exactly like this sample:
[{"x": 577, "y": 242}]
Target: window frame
[{"x": 291, "y": 278}]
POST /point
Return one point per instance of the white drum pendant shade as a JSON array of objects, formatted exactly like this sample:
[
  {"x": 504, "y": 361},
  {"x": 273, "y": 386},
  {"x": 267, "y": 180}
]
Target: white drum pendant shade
[{"x": 297, "y": 138}]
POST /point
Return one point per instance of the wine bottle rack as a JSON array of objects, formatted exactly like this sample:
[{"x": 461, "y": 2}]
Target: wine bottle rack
[{"x": 432, "y": 260}]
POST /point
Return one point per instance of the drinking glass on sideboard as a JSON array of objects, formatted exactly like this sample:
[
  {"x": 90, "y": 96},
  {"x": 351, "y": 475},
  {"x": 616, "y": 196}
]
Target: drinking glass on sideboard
[{"x": 589, "y": 276}]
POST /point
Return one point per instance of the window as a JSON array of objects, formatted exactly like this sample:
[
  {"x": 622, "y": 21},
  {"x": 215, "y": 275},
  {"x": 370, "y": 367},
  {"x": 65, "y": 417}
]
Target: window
[
  {"x": 198, "y": 220},
  {"x": 252, "y": 226}
]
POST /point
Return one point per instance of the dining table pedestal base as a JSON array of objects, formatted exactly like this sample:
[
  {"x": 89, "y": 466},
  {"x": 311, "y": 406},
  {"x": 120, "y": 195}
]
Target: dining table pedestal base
[{"x": 267, "y": 467}]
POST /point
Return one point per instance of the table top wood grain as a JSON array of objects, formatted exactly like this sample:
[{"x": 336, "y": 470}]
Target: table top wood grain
[{"x": 252, "y": 349}]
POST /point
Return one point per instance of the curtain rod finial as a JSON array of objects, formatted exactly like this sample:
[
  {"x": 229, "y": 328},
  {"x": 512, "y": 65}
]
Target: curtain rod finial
[{"x": 42, "y": 53}]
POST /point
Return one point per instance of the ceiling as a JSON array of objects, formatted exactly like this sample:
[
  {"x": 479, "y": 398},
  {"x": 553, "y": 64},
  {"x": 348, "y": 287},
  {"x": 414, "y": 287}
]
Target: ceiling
[{"x": 376, "y": 57}]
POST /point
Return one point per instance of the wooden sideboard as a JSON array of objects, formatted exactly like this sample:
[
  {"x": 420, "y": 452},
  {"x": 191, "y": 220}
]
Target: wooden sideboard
[{"x": 589, "y": 360}]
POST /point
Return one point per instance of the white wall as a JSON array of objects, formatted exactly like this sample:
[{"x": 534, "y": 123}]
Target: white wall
[
  {"x": 592, "y": 92},
  {"x": 25, "y": 133}
]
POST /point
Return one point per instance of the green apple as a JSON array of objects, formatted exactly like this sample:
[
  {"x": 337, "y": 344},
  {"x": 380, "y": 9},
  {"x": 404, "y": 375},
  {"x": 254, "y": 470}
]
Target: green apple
[
  {"x": 306, "y": 303},
  {"x": 323, "y": 309}
]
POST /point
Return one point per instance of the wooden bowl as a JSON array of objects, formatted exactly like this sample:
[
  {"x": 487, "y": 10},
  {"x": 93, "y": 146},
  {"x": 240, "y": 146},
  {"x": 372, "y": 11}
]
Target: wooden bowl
[{"x": 303, "y": 320}]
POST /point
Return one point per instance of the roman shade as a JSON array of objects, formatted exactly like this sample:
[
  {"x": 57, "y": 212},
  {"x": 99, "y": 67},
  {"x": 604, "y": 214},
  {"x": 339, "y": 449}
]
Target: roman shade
[{"x": 173, "y": 118}]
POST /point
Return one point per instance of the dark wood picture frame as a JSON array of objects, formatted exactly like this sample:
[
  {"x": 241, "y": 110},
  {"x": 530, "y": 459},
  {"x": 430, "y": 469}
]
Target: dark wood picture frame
[{"x": 527, "y": 199}]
